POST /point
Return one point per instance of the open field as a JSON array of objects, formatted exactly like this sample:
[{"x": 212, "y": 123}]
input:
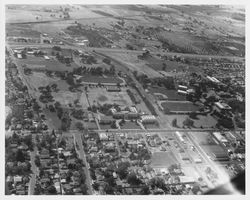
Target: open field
[
  {"x": 66, "y": 97},
  {"x": 165, "y": 94},
  {"x": 179, "y": 106},
  {"x": 202, "y": 137},
  {"x": 204, "y": 121},
  {"x": 39, "y": 63},
  {"x": 104, "y": 80},
  {"x": 102, "y": 96},
  {"x": 38, "y": 79},
  {"x": 163, "y": 159},
  {"x": 130, "y": 125}
]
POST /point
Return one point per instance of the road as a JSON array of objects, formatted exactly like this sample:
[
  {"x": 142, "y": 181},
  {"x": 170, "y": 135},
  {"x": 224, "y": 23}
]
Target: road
[
  {"x": 82, "y": 156},
  {"x": 113, "y": 50},
  {"x": 34, "y": 169}
]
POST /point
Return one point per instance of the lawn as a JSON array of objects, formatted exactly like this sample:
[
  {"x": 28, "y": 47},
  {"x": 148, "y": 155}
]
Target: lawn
[
  {"x": 164, "y": 94},
  {"x": 163, "y": 159},
  {"x": 179, "y": 107}
]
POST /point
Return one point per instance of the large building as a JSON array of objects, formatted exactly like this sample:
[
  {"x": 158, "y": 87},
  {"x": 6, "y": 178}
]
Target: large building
[
  {"x": 148, "y": 119},
  {"x": 220, "y": 107}
]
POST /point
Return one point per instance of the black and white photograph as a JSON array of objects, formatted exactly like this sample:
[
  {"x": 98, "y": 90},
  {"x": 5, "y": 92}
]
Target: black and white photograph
[{"x": 124, "y": 99}]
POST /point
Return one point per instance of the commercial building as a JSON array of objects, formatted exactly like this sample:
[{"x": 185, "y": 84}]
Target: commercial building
[{"x": 148, "y": 119}]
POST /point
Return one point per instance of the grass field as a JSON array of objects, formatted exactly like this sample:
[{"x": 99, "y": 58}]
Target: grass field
[
  {"x": 102, "y": 96},
  {"x": 38, "y": 79},
  {"x": 66, "y": 97},
  {"x": 39, "y": 63},
  {"x": 163, "y": 93},
  {"x": 130, "y": 125},
  {"x": 163, "y": 159},
  {"x": 104, "y": 80},
  {"x": 204, "y": 121},
  {"x": 179, "y": 106}
]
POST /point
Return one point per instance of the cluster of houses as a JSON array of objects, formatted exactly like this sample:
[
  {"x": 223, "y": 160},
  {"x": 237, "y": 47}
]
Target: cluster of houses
[
  {"x": 59, "y": 170},
  {"x": 18, "y": 184}
]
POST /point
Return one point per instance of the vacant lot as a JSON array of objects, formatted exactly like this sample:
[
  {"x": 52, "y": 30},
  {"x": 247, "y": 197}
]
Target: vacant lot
[
  {"x": 163, "y": 159},
  {"x": 179, "y": 106},
  {"x": 164, "y": 94}
]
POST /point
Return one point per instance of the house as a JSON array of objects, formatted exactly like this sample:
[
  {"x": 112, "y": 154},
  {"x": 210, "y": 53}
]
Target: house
[
  {"x": 18, "y": 179},
  {"x": 103, "y": 136},
  {"x": 9, "y": 179}
]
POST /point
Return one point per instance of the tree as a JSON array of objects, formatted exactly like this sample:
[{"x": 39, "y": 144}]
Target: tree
[
  {"x": 20, "y": 156},
  {"x": 84, "y": 189},
  {"x": 52, "y": 190},
  {"x": 174, "y": 122},
  {"x": 79, "y": 126},
  {"x": 192, "y": 115},
  {"x": 37, "y": 161},
  {"x": 133, "y": 180},
  {"x": 188, "y": 122},
  {"x": 145, "y": 190},
  {"x": 107, "y": 61}
]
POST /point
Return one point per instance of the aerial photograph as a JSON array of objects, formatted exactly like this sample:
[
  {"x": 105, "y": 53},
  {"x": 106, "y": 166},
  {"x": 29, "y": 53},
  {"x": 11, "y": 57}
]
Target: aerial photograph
[{"x": 124, "y": 99}]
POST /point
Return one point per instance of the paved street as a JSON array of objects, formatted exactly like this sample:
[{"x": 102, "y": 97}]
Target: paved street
[{"x": 82, "y": 156}]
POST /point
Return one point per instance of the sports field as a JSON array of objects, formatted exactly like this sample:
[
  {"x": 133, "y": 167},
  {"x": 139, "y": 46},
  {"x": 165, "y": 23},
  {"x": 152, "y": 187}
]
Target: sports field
[{"x": 179, "y": 107}]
